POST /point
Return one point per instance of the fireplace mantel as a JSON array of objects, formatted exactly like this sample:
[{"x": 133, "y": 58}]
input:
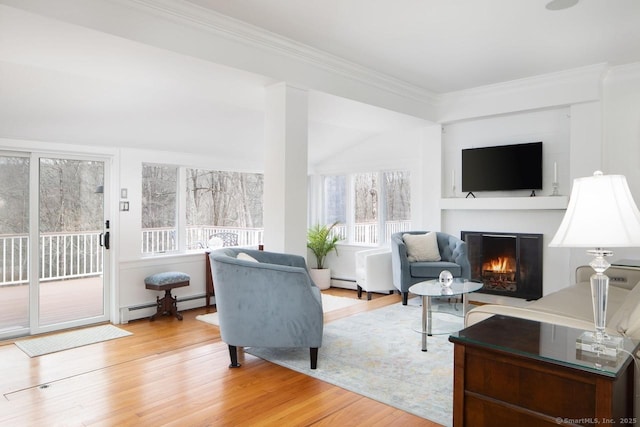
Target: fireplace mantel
[{"x": 506, "y": 203}]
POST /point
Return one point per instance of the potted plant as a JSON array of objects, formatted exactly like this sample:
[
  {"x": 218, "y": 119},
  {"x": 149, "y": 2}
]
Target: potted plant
[{"x": 321, "y": 243}]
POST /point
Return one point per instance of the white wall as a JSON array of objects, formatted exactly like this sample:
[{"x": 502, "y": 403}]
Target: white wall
[
  {"x": 587, "y": 124},
  {"x": 406, "y": 149},
  {"x": 132, "y": 266},
  {"x": 193, "y": 31},
  {"x": 549, "y": 126},
  {"x": 621, "y": 148},
  {"x": 587, "y": 120}
]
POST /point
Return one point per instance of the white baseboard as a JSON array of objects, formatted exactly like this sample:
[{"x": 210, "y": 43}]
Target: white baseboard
[
  {"x": 344, "y": 284},
  {"x": 147, "y": 310}
]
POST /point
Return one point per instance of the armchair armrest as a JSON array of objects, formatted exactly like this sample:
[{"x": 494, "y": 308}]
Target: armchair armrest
[
  {"x": 399, "y": 261},
  {"x": 372, "y": 263},
  {"x": 461, "y": 258}
]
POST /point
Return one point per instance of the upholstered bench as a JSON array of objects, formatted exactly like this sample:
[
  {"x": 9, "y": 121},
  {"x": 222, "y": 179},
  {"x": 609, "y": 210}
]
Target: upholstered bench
[{"x": 165, "y": 282}]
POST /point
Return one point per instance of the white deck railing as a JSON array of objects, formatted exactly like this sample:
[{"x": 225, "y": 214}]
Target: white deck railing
[
  {"x": 159, "y": 240},
  {"x": 62, "y": 256},
  {"x": 74, "y": 255},
  {"x": 367, "y": 232}
]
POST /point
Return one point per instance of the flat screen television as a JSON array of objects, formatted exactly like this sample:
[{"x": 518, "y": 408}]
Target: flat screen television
[{"x": 502, "y": 168}]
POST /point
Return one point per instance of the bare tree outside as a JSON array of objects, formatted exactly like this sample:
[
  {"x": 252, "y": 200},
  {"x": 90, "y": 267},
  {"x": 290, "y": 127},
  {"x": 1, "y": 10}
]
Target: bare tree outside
[
  {"x": 70, "y": 196},
  {"x": 14, "y": 195},
  {"x": 221, "y": 198},
  {"x": 378, "y": 198},
  {"x": 216, "y": 201},
  {"x": 14, "y": 219},
  {"x": 159, "y": 195},
  {"x": 335, "y": 197},
  {"x": 366, "y": 197},
  {"x": 397, "y": 191},
  {"x": 159, "y": 208}
]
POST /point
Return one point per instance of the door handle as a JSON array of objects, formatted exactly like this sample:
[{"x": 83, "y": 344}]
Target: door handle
[
  {"x": 104, "y": 240},
  {"x": 104, "y": 237}
]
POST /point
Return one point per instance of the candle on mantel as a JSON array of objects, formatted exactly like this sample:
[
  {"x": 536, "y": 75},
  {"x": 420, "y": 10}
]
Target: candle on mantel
[{"x": 555, "y": 172}]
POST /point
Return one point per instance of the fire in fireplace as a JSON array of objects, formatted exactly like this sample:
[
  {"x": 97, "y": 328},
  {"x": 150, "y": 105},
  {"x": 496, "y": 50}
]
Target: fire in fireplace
[
  {"x": 500, "y": 273},
  {"x": 508, "y": 264}
]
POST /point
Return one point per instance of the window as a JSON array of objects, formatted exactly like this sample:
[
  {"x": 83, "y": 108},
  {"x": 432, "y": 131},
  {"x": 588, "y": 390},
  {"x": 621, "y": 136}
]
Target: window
[
  {"x": 14, "y": 225},
  {"x": 397, "y": 197},
  {"x": 223, "y": 206},
  {"x": 373, "y": 201},
  {"x": 366, "y": 208},
  {"x": 159, "y": 208},
  {"x": 335, "y": 207}
]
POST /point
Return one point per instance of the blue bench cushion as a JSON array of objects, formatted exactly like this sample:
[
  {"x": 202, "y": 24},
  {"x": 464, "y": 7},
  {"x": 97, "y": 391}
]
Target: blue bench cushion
[{"x": 166, "y": 278}]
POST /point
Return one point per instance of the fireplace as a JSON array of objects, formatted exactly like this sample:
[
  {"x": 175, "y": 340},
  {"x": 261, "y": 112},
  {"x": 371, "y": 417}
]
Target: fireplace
[{"x": 509, "y": 264}]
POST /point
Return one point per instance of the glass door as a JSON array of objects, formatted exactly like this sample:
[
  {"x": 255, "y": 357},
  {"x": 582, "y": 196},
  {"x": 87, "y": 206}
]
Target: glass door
[
  {"x": 72, "y": 243},
  {"x": 14, "y": 244},
  {"x": 53, "y": 243}
]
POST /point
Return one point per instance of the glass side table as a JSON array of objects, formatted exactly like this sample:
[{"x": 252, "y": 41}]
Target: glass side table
[{"x": 433, "y": 288}]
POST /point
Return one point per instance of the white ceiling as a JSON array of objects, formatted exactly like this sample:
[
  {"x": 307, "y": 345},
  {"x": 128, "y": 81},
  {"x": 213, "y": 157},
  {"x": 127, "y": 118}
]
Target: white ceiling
[
  {"x": 449, "y": 45},
  {"x": 65, "y": 83}
]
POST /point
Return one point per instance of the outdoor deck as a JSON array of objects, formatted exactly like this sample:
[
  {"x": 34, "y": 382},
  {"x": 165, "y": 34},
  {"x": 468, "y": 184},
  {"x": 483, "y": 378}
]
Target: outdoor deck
[{"x": 60, "y": 301}]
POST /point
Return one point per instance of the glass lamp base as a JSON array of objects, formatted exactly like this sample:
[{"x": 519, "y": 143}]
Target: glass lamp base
[{"x": 607, "y": 348}]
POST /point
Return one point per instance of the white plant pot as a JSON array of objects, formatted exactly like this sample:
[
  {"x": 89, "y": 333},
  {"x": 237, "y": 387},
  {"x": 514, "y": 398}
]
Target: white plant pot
[{"x": 321, "y": 277}]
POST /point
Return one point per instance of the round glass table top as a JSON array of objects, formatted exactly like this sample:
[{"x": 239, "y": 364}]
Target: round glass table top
[{"x": 433, "y": 288}]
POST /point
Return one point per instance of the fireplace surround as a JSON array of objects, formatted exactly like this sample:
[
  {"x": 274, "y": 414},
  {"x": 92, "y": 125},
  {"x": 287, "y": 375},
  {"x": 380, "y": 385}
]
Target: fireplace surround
[{"x": 509, "y": 264}]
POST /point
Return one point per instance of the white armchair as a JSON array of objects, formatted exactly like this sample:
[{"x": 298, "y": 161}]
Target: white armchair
[{"x": 373, "y": 271}]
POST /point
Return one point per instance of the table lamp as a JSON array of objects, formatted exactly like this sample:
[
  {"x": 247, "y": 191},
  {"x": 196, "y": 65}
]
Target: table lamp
[{"x": 601, "y": 214}]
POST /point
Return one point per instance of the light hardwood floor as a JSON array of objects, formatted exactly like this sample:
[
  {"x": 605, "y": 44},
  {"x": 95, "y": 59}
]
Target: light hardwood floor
[{"x": 176, "y": 373}]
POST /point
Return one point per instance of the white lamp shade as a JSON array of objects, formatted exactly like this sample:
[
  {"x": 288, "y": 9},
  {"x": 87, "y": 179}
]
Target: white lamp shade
[{"x": 601, "y": 214}]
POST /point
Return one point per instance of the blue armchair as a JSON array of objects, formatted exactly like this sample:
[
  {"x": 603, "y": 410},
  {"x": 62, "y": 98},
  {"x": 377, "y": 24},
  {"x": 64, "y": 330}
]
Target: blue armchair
[
  {"x": 266, "y": 299},
  {"x": 453, "y": 254}
]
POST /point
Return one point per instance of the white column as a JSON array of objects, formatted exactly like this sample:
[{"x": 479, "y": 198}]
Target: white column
[
  {"x": 285, "y": 169},
  {"x": 430, "y": 188}
]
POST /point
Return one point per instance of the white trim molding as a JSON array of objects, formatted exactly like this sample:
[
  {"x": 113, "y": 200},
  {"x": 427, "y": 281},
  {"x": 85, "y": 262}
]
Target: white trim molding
[{"x": 535, "y": 93}]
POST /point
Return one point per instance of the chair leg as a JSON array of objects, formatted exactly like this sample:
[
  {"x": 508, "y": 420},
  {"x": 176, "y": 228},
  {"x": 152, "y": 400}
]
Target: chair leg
[
  {"x": 313, "y": 352},
  {"x": 359, "y": 291},
  {"x": 405, "y": 298},
  {"x": 233, "y": 354},
  {"x": 368, "y": 296}
]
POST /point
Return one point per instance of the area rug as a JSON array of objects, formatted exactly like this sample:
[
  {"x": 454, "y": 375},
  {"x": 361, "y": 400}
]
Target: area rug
[
  {"x": 329, "y": 303},
  {"x": 378, "y": 354},
  {"x": 66, "y": 340}
]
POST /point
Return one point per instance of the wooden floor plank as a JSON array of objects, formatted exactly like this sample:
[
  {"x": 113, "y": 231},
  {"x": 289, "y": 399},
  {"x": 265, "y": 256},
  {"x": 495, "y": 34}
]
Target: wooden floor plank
[{"x": 176, "y": 374}]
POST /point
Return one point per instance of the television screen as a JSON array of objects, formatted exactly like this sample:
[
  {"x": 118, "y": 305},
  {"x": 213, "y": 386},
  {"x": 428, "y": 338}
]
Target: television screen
[{"x": 501, "y": 168}]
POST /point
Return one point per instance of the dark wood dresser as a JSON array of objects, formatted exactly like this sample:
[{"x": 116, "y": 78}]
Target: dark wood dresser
[{"x": 516, "y": 372}]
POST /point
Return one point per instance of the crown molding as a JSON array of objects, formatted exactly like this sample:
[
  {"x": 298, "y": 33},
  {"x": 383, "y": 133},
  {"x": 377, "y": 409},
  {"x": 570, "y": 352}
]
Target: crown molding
[
  {"x": 561, "y": 88},
  {"x": 631, "y": 70},
  {"x": 236, "y": 30},
  {"x": 591, "y": 72}
]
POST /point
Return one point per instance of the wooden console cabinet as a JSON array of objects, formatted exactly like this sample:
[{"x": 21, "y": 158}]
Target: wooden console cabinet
[
  {"x": 209, "y": 289},
  {"x": 515, "y": 372}
]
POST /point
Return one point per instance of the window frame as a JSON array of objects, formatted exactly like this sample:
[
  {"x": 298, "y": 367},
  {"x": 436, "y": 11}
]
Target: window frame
[
  {"x": 181, "y": 210},
  {"x": 350, "y": 204}
]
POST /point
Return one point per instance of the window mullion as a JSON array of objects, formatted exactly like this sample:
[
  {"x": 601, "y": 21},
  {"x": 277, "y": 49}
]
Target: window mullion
[
  {"x": 350, "y": 205},
  {"x": 181, "y": 209},
  {"x": 382, "y": 208}
]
